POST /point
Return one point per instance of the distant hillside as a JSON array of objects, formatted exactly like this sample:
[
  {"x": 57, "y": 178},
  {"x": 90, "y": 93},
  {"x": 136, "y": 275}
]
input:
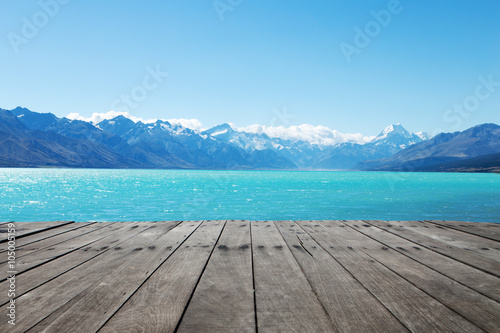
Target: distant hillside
[
  {"x": 485, "y": 163},
  {"x": 457, "y": 151}
]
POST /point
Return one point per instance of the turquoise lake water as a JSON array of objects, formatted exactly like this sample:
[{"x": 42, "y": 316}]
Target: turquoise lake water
[{"x": 154, "y": 195}]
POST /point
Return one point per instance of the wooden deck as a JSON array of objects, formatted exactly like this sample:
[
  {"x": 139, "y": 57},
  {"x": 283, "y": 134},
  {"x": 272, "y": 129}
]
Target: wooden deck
[{"x": 259, "y": 276}]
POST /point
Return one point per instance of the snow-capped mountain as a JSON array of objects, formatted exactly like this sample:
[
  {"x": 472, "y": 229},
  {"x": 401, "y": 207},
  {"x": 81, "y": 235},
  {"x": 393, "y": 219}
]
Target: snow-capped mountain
[
  {"x": 423, "y": 135},
  {"x": 391, "y": 140},
  {"x": 474, "y": 149},
  {"x": 246, "y": 141},
  {"x": 396, "y": 136},
  {"x": 162, "y": 144}
]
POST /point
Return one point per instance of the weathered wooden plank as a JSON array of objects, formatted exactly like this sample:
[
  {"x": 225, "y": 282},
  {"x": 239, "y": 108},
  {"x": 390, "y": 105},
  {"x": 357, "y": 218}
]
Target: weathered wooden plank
[
  {"x": 42, "y": 256},
  {"x": 480, "y": 245},
  {"x": 285, "y": 300},
  {"x": 34, "y": 278},
  {"x": 405, "y": 278},
  {"x": 418, "y": 311},
  {"x": 23, "y": 229},
  {"x": 486, "y": 230},
  {"x": 90, "y": 309},
  {"x": 39, "y": 303},
  {"x": 224, "y": 300},
  {"x": 165, "y": 295},
  {"x": 49, "y": 242},
  {"x": 476, "y": 308},
  {"x": 49, "y": 233},
  {"x": 27, "y": 244},
  {"x": 483, "y": 283},
  {"x": 466, "y": 257},
  {"x": 351, "y": 307}
]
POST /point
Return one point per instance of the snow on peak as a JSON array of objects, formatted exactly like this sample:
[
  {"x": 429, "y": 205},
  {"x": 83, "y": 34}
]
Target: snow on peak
[
  {"x": 219, "y": 132},
  {"x": 422, "y": 135},
  {"x": 318, "y": 135},
  {"x": 315, "y": 135},
  {"x": 96, "y": 118},
  {"x": 391, "y": 130}
]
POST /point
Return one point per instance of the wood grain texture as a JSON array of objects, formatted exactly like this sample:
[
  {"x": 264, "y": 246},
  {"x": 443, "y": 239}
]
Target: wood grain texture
[
  {"x": 23, "y": 229},
  {"x": 479, "y": 245},
  {"x": 467, "y": 257},
  {"x": 39, "y": 303},
  {"x": 351, "y": 307},
  {"x": 266, "y": 276},
  {"x": 49, "y": 242},
  {"x": 34, "y": 278},
  {"x": 91, "y": 308},
  {"x": 418, "y": 311},
  {"x": 165, "y": 295},
  {"x": 486, "y": 230},
  {"x": 284, "y": 298},
  {"x": 476, "y": 308},
  {"x": 23, "y": 241},
  {"x": 43, "y": 256},
  {"x": 481, "y": 282},
  {"x": 223, "y": 300}
]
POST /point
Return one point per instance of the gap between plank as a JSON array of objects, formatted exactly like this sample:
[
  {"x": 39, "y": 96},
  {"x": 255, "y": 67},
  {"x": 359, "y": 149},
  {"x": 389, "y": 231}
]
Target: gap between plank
[
  {"x": 38, "y": 322},
  {"x": 430, "y": 248},
  {"x": 147, "y": 278},
  {"x": 425, "y": 292},
  {"x": 423, "y": 264},
  {"x": 199, "y": 278},
  {"x": 461, "y": 230},
  {"x": 66, "y": 271},
  {"x": 37, "y": 231},
  {"x": 354, "y": 277},
  {"x": 253, "y": 281},
  {"x": 303, "y": 273}
]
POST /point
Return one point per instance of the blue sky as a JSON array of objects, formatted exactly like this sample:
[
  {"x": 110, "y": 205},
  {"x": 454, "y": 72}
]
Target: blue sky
[{"x": 427, "y": 65}]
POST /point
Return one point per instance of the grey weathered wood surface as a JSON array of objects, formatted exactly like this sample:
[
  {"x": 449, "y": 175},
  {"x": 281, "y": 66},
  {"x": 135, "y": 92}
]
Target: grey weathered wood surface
[
  {"x": 285, "y": 300},
  {"x": 483, "y": 246},
  {"x": 308, "y": 276},
  {"x": 49, "y": 238},
  {"x": 49, "y": 233},
  {"x": 340, "y": 293},
  {"x": 468, "y": 257},
  {"x": 416, "y": 309},
  {"x": 486, "y": 230},
  {"x": 223, "y": 300},
  {"x": 165, "y": 295},
  {"x": 35, "y": 305},
  {"x": 482, "y": 282},
  {"x": 23, "y": 229},
  {"x": 483, "y": 311},
  {"x": 91, "y": 308},
  {"x": 63, "y": 265},
  {"x": 42, "y": 256}
]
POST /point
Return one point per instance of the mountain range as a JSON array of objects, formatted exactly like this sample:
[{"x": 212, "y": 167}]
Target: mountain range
[
  {"x": 30, "y": 139},
  {"x": 475, "y": 149}
]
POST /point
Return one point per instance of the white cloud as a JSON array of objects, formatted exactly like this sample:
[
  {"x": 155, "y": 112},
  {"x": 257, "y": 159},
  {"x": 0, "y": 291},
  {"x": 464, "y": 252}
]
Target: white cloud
[
  {"x": 96, "y": 118},
  {"x": 320, "y": 135},
  {"x": 193, "y": 124}
]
